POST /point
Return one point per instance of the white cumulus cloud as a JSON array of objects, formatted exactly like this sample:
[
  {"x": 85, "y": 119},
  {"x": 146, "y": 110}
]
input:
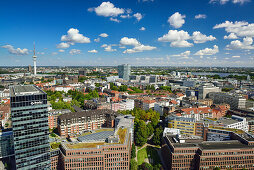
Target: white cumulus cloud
[
  {"x": 63, "y": 45},
  {"x": 104, "y": 35},
  {"x": 236, "y": 56},
  {"x": 200, "y": 16},
  {"x": 107, "y": 9},
  {"x": 137, "y": 46},
  {"x": 208, "y": 51},
  {"x": 247, "y": 44},
  {"x": 17, "y": 51},
  {"x": 198, "y": 37},
  {"x": 177, "y": 38},
  {"x": 230, "y": 36},
  {"x": 75, "y": 51},
  {"x": 74, "y": 36},
  {"x": 142, "y": 29},
  {"x": 61, "y": 50},
  {"x": 184, "y": 55},
  {"x": 222, "y": 2},
  {"x": 138, "y": 16},
  {"x": 176, "y": 20},
  {"x": 93, "y": 51},
  {"x": 108, "y": 48}
]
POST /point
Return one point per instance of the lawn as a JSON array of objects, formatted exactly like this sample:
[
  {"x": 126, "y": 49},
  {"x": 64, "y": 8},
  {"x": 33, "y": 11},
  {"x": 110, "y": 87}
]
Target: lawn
[
  {"x": 102, "y": 130},
  {"x": 143, "y": 154}
]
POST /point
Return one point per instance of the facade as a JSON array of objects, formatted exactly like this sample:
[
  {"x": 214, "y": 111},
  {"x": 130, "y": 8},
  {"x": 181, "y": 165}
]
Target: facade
[
  {"x": 6, "y": 142},
  {"x": 30, "y": 127},
  {"x": 196, "y": 154},
  {"x": 124, "y": 71},
  {"x": 75, "y": 123},
  {"x": 204, "y": 90},
  {"x": 123, "y": 105},
  {"x": 53, "y": 115},
  {"x": 185, "y": 125},
  {"x": 235, "y": 101}
]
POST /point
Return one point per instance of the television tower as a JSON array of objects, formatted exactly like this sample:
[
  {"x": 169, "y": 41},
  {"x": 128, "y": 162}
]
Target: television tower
[{"x": 34, "y": 58}]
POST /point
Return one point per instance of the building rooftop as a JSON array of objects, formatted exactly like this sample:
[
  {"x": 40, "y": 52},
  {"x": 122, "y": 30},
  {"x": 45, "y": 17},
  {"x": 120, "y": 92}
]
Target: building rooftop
[
  {"x": 233, "y": 144},
  {"x": 100, "y": 136},
  {"x": 21, "y": 90}
]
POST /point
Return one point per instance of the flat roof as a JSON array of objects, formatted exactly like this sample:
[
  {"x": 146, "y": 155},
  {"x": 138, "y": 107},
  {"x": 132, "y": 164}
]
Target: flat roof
[
  {"x": 95, "y": 137},
  {"x": 223, "y": 145},
  {"x": 22, "y": 90}
]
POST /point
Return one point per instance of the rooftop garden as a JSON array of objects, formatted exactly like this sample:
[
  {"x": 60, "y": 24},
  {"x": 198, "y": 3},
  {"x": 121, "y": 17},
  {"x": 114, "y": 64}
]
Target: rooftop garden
[
  {"x": 238, "y": 131},
  {"x": 84, "y": 145},
  {"x": 55, "y": 145},
  {"x": 122, "y": 133}
]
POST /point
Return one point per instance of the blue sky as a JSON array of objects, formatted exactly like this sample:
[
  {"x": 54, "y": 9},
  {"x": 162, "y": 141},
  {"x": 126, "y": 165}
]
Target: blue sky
[{"x": 138, "y": 32}]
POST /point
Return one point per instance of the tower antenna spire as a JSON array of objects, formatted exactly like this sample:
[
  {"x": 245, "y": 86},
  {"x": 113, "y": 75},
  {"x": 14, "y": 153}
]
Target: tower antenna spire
[{"x": 34, "y": 48}]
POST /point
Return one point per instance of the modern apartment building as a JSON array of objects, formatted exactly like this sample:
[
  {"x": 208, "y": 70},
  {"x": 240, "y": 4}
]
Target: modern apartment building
[
  {"x": 204, "y": 90},
  {"x": 185, "y": 125},
  {"x": 124, "y": 71},
  {"x": 29, "y": 114},
  {"x": 123, "y": 105},
  {"x": 71, "y": 124},
  {"x": 180, "y": 152},
  {"x": 235, "y": 101}
]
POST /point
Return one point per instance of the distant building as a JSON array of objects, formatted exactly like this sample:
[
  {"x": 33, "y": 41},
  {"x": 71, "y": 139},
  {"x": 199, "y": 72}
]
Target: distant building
[
  {"x": 29, "y": 114},
  {"x": 124, "y": 71},
  {"x": 235, "y": 101},
  {"x": 123, "y": 105},
  {"x": 204, "y": 90},
  {"x": 82, "y": 72},
  {"x": 30, "y": 69}
]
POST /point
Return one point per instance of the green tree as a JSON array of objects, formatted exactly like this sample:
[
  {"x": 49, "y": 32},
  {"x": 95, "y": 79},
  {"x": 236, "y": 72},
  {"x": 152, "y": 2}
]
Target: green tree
[
  {"x": 140, "y": 134},
  {"x": 133, "y": 164},
  {"x": 146, "y": 166},
  {"x": 157, "y": 136},
  {"x": 133, "y": 151},
  {"x": 150, "y": 129}
]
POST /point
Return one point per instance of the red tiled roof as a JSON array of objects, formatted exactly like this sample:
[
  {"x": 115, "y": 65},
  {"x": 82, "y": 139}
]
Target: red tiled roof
[{"x": 197, "y": 110}]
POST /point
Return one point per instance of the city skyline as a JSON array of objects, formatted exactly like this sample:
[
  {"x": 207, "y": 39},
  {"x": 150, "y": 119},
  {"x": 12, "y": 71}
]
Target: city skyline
[{"x": 137, "y": 32}]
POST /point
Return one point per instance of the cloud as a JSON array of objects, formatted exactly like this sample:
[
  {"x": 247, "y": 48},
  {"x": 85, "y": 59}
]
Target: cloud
[
  {"x": 198, "y": 37},
  {"x": 239, "y": 28},
  {"x": 176, "y": 20},
  {"x": 93, "y": 51},
  {"x": 114, "y": 20},
  {"x": 73, "y": 36},
  {"x": 222, "y": 2},
  {"x": 17, "y": 51},
  {"x": 236, "y": 56},
  {"x": 129, "y": 41},
  {"x": 138, "y": 47},
  {"x": 125, "y": 16},
  {"x": 107, "y": 9},
  {"x": 184, "y": 55},
  {"x": 208, "y": 51},
  {"x": 75, "y": 51},
  {"x": 61, "y": 50},
  {"x": 138, "y": 16},
  {"x": 142, "y": 29},
  {"x": 97, "y": 40},
  {"x": 108, "y": 48},
  {"x": 230, "y": 36},
  {"x": 104, "y": 35},
  {"x": 177, "y": 38},
  {"x": 54, "y": 53},
  {"x": 200, "y": 16},
  {"x": 63, "y": 45},
  {"x": 247, "y": 44}
]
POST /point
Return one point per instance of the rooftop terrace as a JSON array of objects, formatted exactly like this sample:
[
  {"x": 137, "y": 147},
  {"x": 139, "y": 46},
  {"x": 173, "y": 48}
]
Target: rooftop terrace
[{"x": 20, "y": 90}]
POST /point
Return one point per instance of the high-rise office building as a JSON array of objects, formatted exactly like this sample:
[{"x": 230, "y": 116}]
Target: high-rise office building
[
  {"x": 29, "y": 116},
  {"x": 124, "y": 71}
]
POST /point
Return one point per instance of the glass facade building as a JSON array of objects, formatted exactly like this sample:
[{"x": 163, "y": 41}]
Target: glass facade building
[
  {"x": 124, "y": 71},
  {"x": 29, "y": 116}
]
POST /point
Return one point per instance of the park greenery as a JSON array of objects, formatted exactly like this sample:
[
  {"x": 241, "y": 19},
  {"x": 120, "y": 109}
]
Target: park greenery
[
  {"x": 144, "y": 125},
  {"x": 78, "y": 98}
]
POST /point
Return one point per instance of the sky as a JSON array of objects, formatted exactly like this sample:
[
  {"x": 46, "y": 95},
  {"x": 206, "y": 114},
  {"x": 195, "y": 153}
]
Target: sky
[{"x": 138, "y": 32}]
